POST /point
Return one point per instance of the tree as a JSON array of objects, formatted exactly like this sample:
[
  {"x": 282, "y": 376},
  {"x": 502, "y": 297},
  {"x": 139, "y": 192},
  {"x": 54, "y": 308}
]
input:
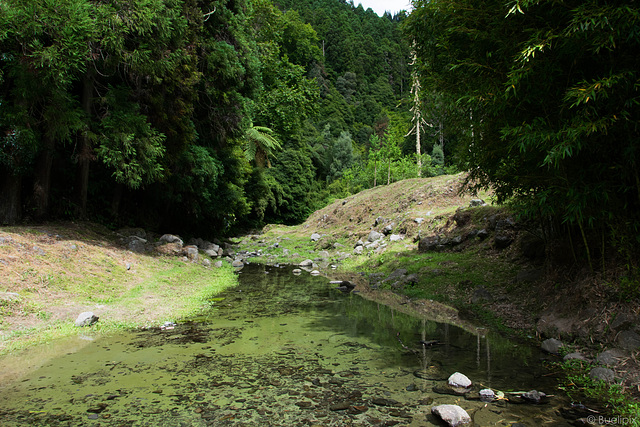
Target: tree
[
  {"x": 342, "y": 155},
  {"x": 545, "y": 88},
  {"x": 260, "y": 144}
]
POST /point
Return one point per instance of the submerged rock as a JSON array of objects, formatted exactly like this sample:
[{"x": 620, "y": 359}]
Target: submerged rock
[
  {"x": 453, "y": 415},
  {"x": 534, "y": 396}
]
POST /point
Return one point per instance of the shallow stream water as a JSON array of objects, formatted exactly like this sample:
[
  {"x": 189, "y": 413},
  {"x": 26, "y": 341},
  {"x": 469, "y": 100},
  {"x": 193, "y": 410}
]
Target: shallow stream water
[{"x": 278, "y": 350}]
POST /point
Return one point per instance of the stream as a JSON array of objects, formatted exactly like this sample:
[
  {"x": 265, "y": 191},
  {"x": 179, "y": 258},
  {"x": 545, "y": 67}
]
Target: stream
[{"x": 278, "y": 350}]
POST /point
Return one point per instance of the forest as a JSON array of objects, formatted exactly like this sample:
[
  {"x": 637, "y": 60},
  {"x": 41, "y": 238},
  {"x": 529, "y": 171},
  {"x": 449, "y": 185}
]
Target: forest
[{"x": 214, "y": 117}]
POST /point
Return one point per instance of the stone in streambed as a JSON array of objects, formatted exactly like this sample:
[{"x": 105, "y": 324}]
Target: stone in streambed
[
  {"x": 453, "y": 415},
  {"x": 459, "y": 380}
]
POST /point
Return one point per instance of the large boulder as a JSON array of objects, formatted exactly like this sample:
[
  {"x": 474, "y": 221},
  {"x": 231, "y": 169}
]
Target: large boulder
[{"x": 453, "y": 415}]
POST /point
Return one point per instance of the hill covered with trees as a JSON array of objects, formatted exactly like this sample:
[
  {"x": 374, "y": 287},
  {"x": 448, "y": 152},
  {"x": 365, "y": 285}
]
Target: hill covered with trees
[{"x": 198, "y": 115}]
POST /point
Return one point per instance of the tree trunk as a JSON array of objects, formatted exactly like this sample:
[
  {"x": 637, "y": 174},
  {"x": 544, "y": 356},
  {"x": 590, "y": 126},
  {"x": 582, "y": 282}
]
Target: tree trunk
[
  {"x": 375, "y": 173},
  {"x": 42, "y": 181},
  {"x": 85, "y": 154},
  {"x": 10, "y": 208},
  {"x": 418, "y": 148}
]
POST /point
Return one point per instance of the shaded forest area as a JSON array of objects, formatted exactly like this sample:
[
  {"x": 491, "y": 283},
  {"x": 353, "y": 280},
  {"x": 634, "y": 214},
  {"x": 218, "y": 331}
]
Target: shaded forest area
[
  {"x": 218, "y": 116},
  {"x": 197, "y": 116}
]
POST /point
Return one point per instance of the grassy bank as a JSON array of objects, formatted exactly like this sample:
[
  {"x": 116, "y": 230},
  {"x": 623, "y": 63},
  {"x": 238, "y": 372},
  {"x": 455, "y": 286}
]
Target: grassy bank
[{"x": 52, "y": 273}]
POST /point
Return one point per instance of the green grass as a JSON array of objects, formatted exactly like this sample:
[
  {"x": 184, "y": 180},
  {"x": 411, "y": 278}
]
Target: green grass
[
  {"x": 580, "y": 387},
  {"x": 182, "y": 290}
]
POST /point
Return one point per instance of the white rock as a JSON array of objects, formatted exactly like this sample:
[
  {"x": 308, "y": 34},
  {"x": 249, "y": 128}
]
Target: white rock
[
  {"x": 86, "y": 318},
  {"x": 452, "y": 415},
  {"x": 459, "y": 380}
]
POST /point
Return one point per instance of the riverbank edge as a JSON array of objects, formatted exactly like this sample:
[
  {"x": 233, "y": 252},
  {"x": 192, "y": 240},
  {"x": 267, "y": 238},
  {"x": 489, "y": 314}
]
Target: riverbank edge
[{"x": 42, "y": 291}]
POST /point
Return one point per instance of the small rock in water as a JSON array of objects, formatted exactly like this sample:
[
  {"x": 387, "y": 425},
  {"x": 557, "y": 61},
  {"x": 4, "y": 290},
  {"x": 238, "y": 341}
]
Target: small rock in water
[
  {"x": 459, "y": 380},
  {"x": 487, "y": 395},
  {"x": 533, "y": 396},
  {"x": 315, "y": 273},
  {"x": 86, "y": 318},
  {"x": 297, "y": 271},
  {"x": 341, "y": 406},
  {"x": 453, "y": 415}
]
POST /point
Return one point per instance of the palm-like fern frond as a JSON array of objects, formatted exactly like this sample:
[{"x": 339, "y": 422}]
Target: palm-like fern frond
[{"x": 260, "y": 144}]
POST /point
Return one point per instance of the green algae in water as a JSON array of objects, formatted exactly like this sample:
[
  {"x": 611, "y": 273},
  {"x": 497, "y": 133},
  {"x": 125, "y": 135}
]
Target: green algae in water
[{"x": 278, "y": 350}]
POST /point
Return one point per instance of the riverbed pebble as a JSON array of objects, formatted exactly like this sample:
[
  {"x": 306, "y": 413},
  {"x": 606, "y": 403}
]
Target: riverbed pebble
[{"x": 453, "y": 415}]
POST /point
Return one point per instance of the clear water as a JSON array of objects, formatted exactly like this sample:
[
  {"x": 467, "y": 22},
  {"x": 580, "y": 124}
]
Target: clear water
[{"x": 278, "y": 350}]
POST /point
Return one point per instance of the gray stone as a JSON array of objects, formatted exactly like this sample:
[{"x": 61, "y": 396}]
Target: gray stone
[
  {"x": 191, "y": 252},
  {"x": 611, "y": 357},
  {"x": 388, "y": 229},
  {"x": 217, "y": 264},
  {"x": 453, "y": 415},
  {"x": 136, "y": 244},
  {"x": 551, "y": 345},
  {"x": 459, "y": 380},
  {"x": 285, "y": 252},
  {"x": 315, "y": 273},
  {"x": 324, "y": 255},
  {"x": 396, "y": 237},
  {"x": 534, "y": 396},
  {"x": 574, "y": 356},
  {"x": 237, "y": 263},
  {"x": 373, "y": 236},
  {"x": 419, "y": 220},
  {"x": 337, "y": 245},
  {"x": 430, "y": 243},
  {"x": 170, "y": 238},
  {"x": 206, "y": 262},
  {"x": 359, "y": 243},
  {"x": 358, "y": 250},
  {"x": 86, "y": 318},
  {"x": 212, "y": 253},
  {"x": 628, "y": 340},
  {"x": 306, "y": 263},
  {"x": 315, "y": 237},
  {"x": 603, "y": 374},
  {"x": 487, "y": 395},
  {"x": 476, "y": 202},
  {"x": 297, "y": 271},
  {"x": 622, "y": 321}
]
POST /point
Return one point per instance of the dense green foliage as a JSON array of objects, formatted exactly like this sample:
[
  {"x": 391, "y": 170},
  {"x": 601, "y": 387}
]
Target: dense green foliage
[
  {"x": 191, "y": 114},
  {"x": 544, "y": 96}
]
